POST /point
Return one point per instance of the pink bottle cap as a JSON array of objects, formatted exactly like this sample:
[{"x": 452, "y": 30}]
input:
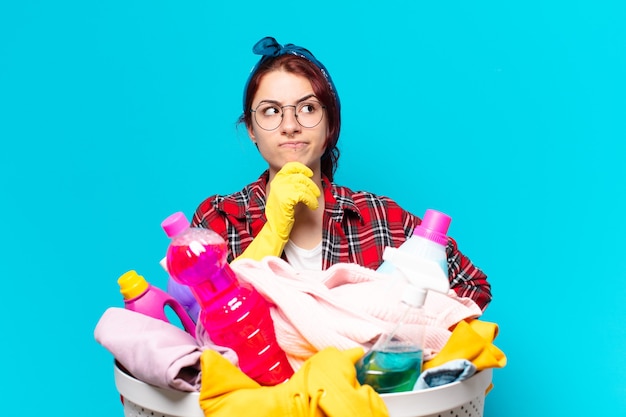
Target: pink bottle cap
[
  {"x": 175, "y": 223},
  {"x": 434, "y": 227}
]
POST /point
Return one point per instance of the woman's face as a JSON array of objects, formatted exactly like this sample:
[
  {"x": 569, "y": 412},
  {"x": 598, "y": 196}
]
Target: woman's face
[{"x": 290, "y": 141}]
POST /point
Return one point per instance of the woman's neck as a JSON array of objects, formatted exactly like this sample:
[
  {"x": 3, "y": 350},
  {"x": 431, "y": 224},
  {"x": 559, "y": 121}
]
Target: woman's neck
[{"x": 307, "y": 228}]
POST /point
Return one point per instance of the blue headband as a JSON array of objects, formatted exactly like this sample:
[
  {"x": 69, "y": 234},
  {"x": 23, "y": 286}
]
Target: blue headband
[{"x": 268, "y": 48}]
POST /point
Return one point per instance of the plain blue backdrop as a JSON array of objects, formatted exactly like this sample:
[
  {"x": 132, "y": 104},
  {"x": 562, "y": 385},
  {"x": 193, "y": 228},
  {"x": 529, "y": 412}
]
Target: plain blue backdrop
[{"x": 509, "y": 116}]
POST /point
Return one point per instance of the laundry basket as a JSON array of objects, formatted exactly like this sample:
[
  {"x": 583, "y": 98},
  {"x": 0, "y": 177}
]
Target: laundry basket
[{"x": 458, "y": 399}]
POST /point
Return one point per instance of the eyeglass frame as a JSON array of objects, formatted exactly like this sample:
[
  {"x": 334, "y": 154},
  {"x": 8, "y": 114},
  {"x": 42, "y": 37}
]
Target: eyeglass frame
[{"x": 282, "y": 115}]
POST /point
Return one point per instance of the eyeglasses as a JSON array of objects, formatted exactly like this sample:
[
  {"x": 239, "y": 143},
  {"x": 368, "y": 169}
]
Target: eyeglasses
[{"x": 270, "y": 115}]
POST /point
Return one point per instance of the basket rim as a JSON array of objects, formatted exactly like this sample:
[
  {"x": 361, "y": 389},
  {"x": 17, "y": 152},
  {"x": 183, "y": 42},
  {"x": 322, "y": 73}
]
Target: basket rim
[{"x": 423, "y": 402}]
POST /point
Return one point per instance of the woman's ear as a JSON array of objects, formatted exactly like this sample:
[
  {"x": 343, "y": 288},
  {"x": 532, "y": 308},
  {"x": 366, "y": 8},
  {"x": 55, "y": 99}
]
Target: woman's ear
[
  {"x": 252, "y": 137},
  {"x": 251, "y": 134}
]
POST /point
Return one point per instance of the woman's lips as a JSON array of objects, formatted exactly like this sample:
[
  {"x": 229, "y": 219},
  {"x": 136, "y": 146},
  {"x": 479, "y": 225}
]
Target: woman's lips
[{"x": 293, "y": 145}]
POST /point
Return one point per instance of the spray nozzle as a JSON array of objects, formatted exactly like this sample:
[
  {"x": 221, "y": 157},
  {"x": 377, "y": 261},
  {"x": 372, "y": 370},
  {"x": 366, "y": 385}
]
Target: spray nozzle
[{"x": 421, "y": 274}]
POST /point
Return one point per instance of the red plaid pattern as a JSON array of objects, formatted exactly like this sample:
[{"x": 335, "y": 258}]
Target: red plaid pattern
[{"x": 357, "y": 228}]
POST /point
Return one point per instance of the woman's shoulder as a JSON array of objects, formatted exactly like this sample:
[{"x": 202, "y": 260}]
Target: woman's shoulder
[
  {"x": 361, "y": 196},
  {"x": 238, "y": 202}
]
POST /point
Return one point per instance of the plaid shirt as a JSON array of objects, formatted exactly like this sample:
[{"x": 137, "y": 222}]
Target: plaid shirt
[{"x": 357, "y": 227}]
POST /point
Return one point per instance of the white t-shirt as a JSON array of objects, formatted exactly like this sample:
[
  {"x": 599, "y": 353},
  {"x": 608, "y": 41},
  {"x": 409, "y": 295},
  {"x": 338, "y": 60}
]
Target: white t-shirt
[{"x": 304, "y": 259}]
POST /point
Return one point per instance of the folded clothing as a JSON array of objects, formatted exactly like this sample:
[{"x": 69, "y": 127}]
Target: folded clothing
[
  {"x": 152, "y": 350},
  {"x": 345, "y": 307},
  {"x": 471, "y": 340},
  {"x": 453, "y": 371}
]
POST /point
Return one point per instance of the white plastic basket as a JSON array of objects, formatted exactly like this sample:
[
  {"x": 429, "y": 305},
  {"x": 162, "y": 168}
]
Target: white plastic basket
[{"x": 458, "y": 399}]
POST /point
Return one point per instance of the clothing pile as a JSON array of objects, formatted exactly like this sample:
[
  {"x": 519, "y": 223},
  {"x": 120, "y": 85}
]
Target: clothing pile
[{"x": 324, "y": 321}]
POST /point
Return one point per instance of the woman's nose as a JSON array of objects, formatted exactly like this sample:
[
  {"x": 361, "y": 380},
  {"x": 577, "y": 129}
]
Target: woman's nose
[{"x": 290, "y": 123}]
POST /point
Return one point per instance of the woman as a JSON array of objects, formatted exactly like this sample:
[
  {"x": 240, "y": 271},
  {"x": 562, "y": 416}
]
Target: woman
[{"x": 292, "y": 114}]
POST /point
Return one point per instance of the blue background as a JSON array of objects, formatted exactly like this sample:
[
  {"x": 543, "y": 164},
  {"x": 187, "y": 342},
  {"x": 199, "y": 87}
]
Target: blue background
[{"x": 509, "y": 116}]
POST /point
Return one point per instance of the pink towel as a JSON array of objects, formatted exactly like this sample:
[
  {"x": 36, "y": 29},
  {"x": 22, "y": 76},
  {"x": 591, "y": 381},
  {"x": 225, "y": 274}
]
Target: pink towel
[
  {"x": 345, "y": 306},
  {"x": 152, "y": 350}
]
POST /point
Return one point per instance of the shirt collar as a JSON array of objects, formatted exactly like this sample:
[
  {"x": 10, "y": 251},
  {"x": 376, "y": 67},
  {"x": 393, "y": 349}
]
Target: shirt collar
[{"x": 339, "y": 201}]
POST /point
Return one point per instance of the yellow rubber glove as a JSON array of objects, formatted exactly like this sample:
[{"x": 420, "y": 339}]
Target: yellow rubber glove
[
  {"x": 291, "y": 185},
  {"x": 325, "y": 386},
  {"x": 472, "y": 341}
]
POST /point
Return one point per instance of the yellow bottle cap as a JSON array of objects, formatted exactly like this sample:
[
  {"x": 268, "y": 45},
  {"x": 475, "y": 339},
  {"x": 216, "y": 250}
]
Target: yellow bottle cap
[{"x": 132, "y": 284}]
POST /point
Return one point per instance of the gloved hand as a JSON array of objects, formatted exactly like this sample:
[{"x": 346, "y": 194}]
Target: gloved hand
[
  {"x": 472, "y": 341},
  {"x": 291, "y": 185},
  {"x": 325, "y": 386}
]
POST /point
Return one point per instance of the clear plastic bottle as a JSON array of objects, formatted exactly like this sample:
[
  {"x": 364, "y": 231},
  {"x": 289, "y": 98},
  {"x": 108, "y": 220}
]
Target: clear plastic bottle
[
  {"x": 233, "y": 313},
  {"x": 145, "y": 298},
  {"x": 392, "y": 364}
]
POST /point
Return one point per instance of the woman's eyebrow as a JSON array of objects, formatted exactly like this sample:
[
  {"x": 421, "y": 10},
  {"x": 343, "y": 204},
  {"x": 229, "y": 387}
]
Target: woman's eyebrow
[
  {"x": 305, "y": 98},
  {"x": 300, "y": 100}
]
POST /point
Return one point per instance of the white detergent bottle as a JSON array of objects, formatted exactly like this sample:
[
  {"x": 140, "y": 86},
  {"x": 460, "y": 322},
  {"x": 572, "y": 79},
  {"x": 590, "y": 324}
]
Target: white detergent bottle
[
  {"x": 394, "y": 363},
  {"x": 429, "y": 240}
]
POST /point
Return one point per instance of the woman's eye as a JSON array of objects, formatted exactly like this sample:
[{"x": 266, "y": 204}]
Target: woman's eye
[
  {"x": 271, "y": 111},
  {"x": 308, "y": 108}
]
